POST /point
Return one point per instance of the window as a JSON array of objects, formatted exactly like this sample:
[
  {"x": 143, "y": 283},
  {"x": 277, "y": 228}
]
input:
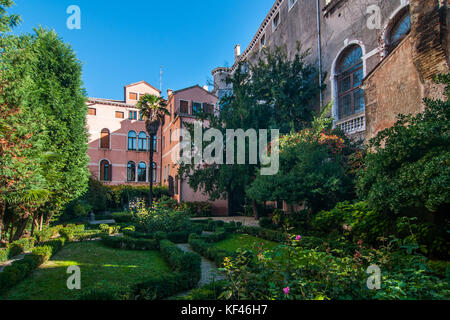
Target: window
[
  {"x": 176, "y": 186},
  {"x": 184, "y": 107},
  {"x": 132, "y": 140},
  {"x": 196, "y": 107},
  {"x": 263, "y": 41},
  {"x": 291, "y": 3},
  {"x": 131, "y": 171},
  {"x": 208, "y": 108},
  {"x": 350, "y": 74},
  {"x": 133, "y": 96},
  {"x": 132, "y": 115},
  {"x": 104, "y": 139},
  {"x": 276, "y": 21},
  {"x": 120, "y": 115},
  {"x": 141, "y": 116},
  {"x": 92, "y": 111},
  {"x": 399, "y": 30},
  {"x": 142, "y": 172},
  {"x": 154, "y": 171},
  {"x": 142, "y": 141},
  {"x": 105, "y": 170}
]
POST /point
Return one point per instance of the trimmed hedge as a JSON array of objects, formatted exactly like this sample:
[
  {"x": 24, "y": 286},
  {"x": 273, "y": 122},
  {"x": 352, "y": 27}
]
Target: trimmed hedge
[
  {"x": 211, "y": 291},
  {"x": 130, "y": 243},
  {"x": 20, "y": 246},
  {"x": 271, "y": 235},
  {"x": 177, "y": 237},
  {"x": 122, "y": 217},
  {"x": 20, "y": 269},
  {"x": 186, "y": 267},
  {"x": 208, "y": 251}
]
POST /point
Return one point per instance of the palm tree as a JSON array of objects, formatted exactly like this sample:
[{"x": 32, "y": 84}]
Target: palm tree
[{"x": 153, "y": 110}]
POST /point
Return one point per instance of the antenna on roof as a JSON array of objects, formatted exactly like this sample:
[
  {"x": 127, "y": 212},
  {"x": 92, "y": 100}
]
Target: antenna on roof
[{"x": 160, "y": 78}]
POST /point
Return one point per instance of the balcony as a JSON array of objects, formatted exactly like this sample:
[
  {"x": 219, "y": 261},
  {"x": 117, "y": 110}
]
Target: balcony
[{"x": 353, "y": 124}]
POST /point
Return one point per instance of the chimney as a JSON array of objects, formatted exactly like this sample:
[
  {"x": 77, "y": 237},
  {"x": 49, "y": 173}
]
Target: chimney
[
  {"x": 237, "y": 51},
  {"x": 206, "y": 87},
  {"x": 169, "y": 93}
]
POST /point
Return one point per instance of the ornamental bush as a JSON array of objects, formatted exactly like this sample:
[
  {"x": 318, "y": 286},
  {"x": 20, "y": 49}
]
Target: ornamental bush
[
  {"x": 130, "y": 243},
  {"x": 20, "y": 246}
]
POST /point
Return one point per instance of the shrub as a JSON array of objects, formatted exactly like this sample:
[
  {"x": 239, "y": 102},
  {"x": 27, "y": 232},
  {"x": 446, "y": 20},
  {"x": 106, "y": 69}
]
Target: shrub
[
  {"x": 45, "y": 235},
  {"x": 211, "y": 291},
  {"x": 4, "y": 254},
  {"x": 130, "y": 243},
  {"x": 180, "y": 261},
  {"x": 271, "y": 235},
  {"x": 20, "y": 246},
  {"x": 196, "y": 209},
  {"x": 357, "y": 220},
  {"x": 41, "y": 254},
  {"x": 122, "y": 217},
  {"x": 208, "y": 251},
  {"x": 161, "y": 218}
]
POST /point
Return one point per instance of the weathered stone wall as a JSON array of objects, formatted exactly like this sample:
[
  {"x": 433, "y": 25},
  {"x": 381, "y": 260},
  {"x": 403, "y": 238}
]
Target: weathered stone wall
[{"x": 404, "y": 78}]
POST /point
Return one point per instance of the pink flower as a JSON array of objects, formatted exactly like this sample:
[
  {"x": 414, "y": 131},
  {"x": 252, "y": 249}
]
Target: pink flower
[
  {"x": 298, "y": 238},
  {"x": 286, "y": 290}
]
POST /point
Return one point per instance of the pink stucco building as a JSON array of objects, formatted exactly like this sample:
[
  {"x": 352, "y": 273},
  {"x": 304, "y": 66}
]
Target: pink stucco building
[
  {"x": 182, "y": 105},
  {"x": 119, "y": 145},
  {"x": 118, "y": 142}
]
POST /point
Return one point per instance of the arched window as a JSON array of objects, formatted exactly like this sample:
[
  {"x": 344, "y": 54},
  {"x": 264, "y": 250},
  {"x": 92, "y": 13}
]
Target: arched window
[
  {"x": 399, "y": 29},
  {"x": 131, "y": 171},
  {"x": 350, "y": 73},
  {"x": 104, "y": 139},
  {"x": 155, "y": 143},
  {"x": 154, "y": 172},
  {"x": 105, "y": 170},
  {"x": 142, "y": 141},
  {"x": 132, "y": 140},
  {"x": 142, "y": 172}
]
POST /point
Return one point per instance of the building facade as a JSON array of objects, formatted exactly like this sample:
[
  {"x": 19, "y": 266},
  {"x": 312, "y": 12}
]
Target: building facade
[
  {"x": 355, "y": 44},
  {"x": 183, "y": 105},
  {"x": 118, "y": 142}
]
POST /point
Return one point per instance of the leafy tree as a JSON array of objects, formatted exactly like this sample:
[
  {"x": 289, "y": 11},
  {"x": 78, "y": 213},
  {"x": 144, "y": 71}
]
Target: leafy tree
[
  {"x": 274, "y": 93},
  {"x": 41, "y": 79},
  {"x": 406, "y": 170},
  {"x": 314, "y": 169}
]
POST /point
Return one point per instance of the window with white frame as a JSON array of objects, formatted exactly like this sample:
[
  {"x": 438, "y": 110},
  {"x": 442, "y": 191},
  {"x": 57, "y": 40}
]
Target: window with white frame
[{"x": 276, "y": 21}]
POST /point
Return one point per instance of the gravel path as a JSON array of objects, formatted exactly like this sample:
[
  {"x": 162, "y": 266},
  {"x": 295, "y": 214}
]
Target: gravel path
[
  {"x": 9, "y": 262},
  {"x": 210, "y": 272}
]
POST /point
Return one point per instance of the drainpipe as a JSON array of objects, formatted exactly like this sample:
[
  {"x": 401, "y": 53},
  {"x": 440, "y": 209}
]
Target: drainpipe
[
  {"x": 319, "y": 46},
  {"x": 180, "y": 180}
]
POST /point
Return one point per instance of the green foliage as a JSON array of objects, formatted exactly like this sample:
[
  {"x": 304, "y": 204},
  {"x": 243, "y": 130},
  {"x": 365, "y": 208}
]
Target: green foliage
[
  {"x": 161, "y": 218},
  {"x": 314, "y": 170},
  {"x": 196, "y": 209},
  {"x": 130, "y": 243},
  {"x": 4, "y": 254},
  {"x": 406, "y": 171},
  {"x": 20, "y": 246},
  {"x": 210, "y": 291},
  {"x": 281, "y": 95},
  {"x": 356, "y": 220},
  {"x": 311, "y": 274},
  {"x": 122, "y": 217}
]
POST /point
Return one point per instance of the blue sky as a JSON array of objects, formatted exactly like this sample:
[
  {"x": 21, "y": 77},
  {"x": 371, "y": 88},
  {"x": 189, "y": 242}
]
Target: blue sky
[{"x": 122, "y": 42}]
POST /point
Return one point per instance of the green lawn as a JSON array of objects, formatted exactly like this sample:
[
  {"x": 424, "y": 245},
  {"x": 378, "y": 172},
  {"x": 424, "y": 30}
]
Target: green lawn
[
  {"x": 100, "y": 267},
  {"x": 236, "y": 241}
]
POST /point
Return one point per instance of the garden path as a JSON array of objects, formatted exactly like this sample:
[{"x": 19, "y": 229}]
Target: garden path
[
  {"x": 4, "y": 264},
  {"x": 210, "y": 272}
]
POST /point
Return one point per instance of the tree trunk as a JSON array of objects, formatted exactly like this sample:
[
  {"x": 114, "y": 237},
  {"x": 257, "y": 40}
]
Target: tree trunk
[
  {"x": 255, "y": 209},
  {"x": 230, "y": 204},
  {"x": 150, "y": 195},
  {"x": 40, "y": 222},
  {"x": 20, "y": 229}
]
